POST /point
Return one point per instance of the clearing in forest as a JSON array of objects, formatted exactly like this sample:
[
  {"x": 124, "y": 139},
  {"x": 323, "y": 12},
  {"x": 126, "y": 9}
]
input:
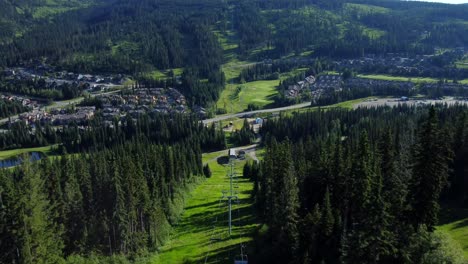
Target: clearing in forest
[
  {"x": 454, "y": 222},
  {"x": 235, "y": 98},
  {"x": 190, "y": 240}
]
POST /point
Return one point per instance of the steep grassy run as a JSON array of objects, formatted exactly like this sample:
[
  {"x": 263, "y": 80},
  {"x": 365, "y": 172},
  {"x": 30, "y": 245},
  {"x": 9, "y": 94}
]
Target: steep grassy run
[
  {"x": 236, "y": 97},
  {"x": 454, "y": 222},
  {"x": 191, "y": 241}
]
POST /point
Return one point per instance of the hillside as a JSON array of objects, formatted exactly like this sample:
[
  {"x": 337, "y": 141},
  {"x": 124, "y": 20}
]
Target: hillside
[
  {"x": 17, "y": 16},
  {"x": 338, "y": 129},
  {"x": 264, "y": 29},
  {"x": 149, "y": 39}
]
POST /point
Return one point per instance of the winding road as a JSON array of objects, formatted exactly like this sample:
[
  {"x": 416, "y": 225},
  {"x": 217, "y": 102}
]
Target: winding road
[{"x": 248, "y": 113}]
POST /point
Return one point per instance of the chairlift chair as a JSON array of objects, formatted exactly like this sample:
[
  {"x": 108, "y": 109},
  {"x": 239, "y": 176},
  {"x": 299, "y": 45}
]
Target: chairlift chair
[{"x": 241, "y": 259}]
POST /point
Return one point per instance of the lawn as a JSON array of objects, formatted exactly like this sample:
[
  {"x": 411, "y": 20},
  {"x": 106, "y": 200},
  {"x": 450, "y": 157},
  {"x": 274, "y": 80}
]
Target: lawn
[
  {"x": 292, "y": 73},
  {"x": 373, "y": 33},
  {"x": 158, "y": 74},
  {"x": 397, "y": 78},
  {"x": 362, "y": 9},
  {"x": 462, "y": 65},
  {"x": 349, "y": 104},
  {"x": 259, "y": 93},
  {"x": 52, "y": 7},
  {"x": 233, "y": 68},
  {"x": 346, "y": 104},
  {"x": 205, "y": 217},
  {"x": 454, "y": 222},
  {"x": 15, "y": 152}
]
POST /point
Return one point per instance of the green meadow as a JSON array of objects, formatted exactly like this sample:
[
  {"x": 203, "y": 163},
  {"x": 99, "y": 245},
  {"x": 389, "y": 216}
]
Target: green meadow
[
  {"x": 454, "y": 222},
  {"x": 48, "y": 150},
  {"x": 397, "y": 78},
  {"x": 236, "y": 97}
]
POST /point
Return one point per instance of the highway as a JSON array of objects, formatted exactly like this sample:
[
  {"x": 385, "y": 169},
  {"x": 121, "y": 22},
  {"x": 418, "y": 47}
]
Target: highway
[{"x": 249, "y": 113}]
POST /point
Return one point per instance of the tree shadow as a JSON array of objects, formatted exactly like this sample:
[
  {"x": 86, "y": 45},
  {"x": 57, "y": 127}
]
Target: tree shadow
[
  {"x": 450, "y": 213},
  {"x": 462, "y": 224},
  {"x": 223, "y": 160},
  {"x": 201, "y": 205}
]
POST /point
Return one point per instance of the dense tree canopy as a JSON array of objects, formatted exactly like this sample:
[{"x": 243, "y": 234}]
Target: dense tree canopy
[{"x": 359, "y": 186}]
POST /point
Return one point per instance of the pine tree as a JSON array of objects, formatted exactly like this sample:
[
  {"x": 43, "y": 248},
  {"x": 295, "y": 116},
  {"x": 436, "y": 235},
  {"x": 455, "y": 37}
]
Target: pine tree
[
  {"x": 430, "y": 171},
  {"x": 73, "y": 211},
  {"x": 207, "y": 171},
  {"x": 362, "y": 176},
  {"x": 460, "y": 146},
  {"x": 286, "y": 202},
  {"x": 338, "y": 171},
  {"x": 39, "y": 238},
  {"x": 9, "y": 226},
  {"x": 310, "y": 238},
  {"x": 328, "y": 220},
  {"x": 394, "y": 188},
  {"x": 378, "y": 236}
]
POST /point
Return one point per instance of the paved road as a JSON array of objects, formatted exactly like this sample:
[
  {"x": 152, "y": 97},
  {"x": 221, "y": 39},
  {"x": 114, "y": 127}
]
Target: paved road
[{"x": 248, "y": 113}]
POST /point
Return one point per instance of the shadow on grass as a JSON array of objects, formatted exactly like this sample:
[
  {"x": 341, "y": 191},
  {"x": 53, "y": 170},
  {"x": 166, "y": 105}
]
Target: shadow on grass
[
  {"x": 223, "y": 160},
  {"x": 221, "y": 255},
  {"x": 462, "y": 224},
  {"x": 201, "y": 205},
  {"x": 450, "y": 213},
  {"x": 247, "y": 192}
]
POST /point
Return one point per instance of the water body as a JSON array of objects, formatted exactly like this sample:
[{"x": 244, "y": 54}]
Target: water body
[{"x": 12, "y": 162}]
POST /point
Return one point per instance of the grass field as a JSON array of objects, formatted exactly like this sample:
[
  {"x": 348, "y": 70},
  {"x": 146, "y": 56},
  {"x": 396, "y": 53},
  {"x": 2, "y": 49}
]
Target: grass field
[
  {"x": 454, "y": 222},
  {"x": 53, "y": 7},
  {"x": 259, "y": 93},
  {"x": 397, "y": 78},
  {"x": 191, "y": 241},
  {"x": 362, "y": 9},
  {"x": 157, "y": 74},
  {"x": 373, "y": 33},
  {"x": 15, "y": 152},
  {"x": 346, "y": 104},
  {"x": 350, "y": 104},
  {"x": 292, "y": 73},
  {"x": 462, "y": 65}
]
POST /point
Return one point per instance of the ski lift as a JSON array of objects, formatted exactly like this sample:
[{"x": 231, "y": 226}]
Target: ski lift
[{"x": 241, "y": 259}]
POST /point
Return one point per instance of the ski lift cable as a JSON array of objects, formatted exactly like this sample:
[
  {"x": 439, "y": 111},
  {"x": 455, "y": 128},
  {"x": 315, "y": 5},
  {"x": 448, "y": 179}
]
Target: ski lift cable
[{"x": 213, "y": 230}]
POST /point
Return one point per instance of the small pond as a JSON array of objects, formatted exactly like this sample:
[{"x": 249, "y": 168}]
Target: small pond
[{"x": 14, "y": 161}]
